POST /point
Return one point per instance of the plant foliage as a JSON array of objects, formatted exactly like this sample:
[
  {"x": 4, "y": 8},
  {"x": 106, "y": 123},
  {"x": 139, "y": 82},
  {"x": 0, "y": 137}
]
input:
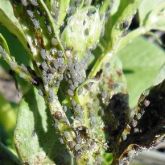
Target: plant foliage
[{"x": 66, "y": 58}]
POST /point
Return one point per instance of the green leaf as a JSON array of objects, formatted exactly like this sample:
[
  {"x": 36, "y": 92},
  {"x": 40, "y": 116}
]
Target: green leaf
[
  {"x": 35, "y": 138},
  {"x": 146, "y": 127},
  {"x": 9, "y": 20},
  {"x": 16, "y": 49},
  {"x": 141, "y": 62}
]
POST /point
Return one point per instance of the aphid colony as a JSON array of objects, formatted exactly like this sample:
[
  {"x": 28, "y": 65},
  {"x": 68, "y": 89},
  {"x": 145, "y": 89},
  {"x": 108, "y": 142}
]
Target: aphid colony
[
  {"x": 52, "y": 61},
  {"x": 53, "y": 65},
  {"x": 32, "y": 2},
  {"x": 52, "y": 68},
  {"x": 75, "y": 74},
  {"x": 56, "y": 66}
]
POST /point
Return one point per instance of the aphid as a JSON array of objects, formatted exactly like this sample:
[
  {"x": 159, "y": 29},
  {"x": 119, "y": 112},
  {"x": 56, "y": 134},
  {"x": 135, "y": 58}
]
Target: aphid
[
  {"x": 77, "y": 147},
  {"x": 54, "y": 41},
  {"x": 61, "y": 141},
  {"x": 107, "y": 65},
  {"x": 24, "y": 2},
  {"x": 61, "y": 78},
  {"x": 124, "y": 137},
  {"x": 44, "y": 66},
  {"x": 33, "y": 133},
  {"x": 30, "y": 13},
  {"x": 55, "y": 125},
  {"x": 61, "y": 69},
  {"x": 69, "y": 81},
  {"x": 36, "y": 23},
  {"x": 34, "y": 2},
  {"x": 136, "y": 130},
  {"x": 139, "y": 116},
  {"x": 93, "y": 121},
  {"x": 65, "y": 108},
  {"x": 49, "y": 29},
  {"x": 78, "y": 139},
  {"x": 53, "y": 51},
  {"x": 72, "y": 87},
  {"x": 60, "y": 61},
  {"x": 40, "y": 92},
  {"x": 43, "y": 53},
  {"x": 146, "y": 103},
  {"x": 60, "y": 53},
  {"x": 86, "y": 32},
  {"x": 78, "y": 108},
  {"x": 58, "y": 115},
  {"x": 73, "y": 102},
  {"x": 66, "y": 135},
  {"x": 71, "y": 144},
  {"x": 39, "y": 12},
  {"x": 84, "y": 22},
  {"x": 49, "y": 77},
  {"x": 51, "y": 95},
  {"x": 134, "y": 123},
  {"x": 70, "y": 92},
  {"x": 45, "y": 80},
  {"x": 76, "y": 84},
  {"x": 54, "y": 64},
  {"x": 68, "y": 53}
]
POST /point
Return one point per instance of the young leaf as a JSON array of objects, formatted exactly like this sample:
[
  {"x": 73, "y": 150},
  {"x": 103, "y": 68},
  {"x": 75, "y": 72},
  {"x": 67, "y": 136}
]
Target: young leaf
[
  {"x": 146, "y": 8},
  {"x": 119, "y": 22},
  {"x": 155, "y": 19},
  {"x": 83, "y": 30}
]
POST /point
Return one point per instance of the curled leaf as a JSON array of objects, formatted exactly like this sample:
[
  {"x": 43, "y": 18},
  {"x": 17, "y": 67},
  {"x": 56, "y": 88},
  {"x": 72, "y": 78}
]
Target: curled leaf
[{"x": 83, "y": 30}]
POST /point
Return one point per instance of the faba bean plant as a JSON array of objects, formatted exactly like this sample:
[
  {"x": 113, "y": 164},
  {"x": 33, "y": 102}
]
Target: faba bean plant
[{"x": 75, "y": 101}]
